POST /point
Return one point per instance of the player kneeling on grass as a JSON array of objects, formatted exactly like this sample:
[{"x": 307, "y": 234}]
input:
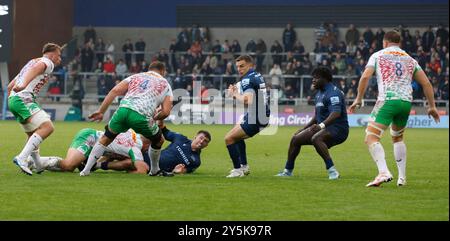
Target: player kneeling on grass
[
  {"x": 181, "y": 156},
  {"x": 144, "y": 94},
  {"x": 126, "y": 146},
  {"x": 328, "y": 128},
  {"x": 22, "y": 92}
]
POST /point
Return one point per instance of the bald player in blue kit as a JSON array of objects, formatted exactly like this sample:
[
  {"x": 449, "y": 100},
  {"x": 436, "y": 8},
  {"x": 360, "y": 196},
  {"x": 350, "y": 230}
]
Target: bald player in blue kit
[{"x": 328, "y": 128}]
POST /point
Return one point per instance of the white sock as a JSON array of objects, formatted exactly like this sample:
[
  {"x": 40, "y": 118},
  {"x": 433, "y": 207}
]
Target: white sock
[
  {"x": 96, "y": 153},
  {"x": 33, "y": 143},
  {"x": 400, "y": 158},
  {"x": 51, "y": 163},
  {"x": 154, "y": 160},
  {"x": 37, "y": 159},
  {"x": 377, "y": 152}
]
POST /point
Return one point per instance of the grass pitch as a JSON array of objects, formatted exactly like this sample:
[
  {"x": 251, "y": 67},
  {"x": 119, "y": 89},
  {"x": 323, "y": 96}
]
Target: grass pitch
[{"x": 208, "y": 195}]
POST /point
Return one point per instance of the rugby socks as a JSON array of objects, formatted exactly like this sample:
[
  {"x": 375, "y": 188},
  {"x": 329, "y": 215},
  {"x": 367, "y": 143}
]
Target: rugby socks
[
  {"x": 154, "y": 155},
  {"x": 50, "y": 163},
  {"x": 377, "y": 152},
  {"x": 38, "y": 163},
  {"x": 242, "y": 152},
  {"x": 328, "y": 163},
  {"x": 233, "y": 150},
  {"x": 96, "y": 153},
  {"x": 32, "y": 144},
  {"x": 400, "y": 158}
]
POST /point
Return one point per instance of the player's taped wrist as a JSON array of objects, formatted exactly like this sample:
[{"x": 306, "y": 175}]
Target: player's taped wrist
[{"x": 322, "y": 125}]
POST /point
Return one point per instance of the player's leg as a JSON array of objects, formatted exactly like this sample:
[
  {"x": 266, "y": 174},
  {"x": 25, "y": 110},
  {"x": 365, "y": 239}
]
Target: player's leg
[
  {"x": 74, "y": 158},
  {"x": 98, "y": 150},
  {"x": 381, "y": 118},
  {"x": 297, "y": 141},
  {"x": 38, "y": 126},
  {"x": 323, "y": 141},
  {"x": 232, "y": 139},
  {"x": 397, "y": 129},
  {"x": 139, "y": 167},
  {"x": 116, "y": 125}
]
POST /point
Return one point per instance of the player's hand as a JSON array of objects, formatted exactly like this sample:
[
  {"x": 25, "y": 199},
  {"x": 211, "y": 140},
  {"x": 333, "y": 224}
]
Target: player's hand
[
  {"x": 356, "y": 104},
  {"x": 315, "y": 128},
  {"x": 180, "y": 168},
  {"x": 232, "y": 89},
  {"x": 18, "y": 88},
  {"x": 96, "y": 116},
  {"x": 433, "y": 112}
]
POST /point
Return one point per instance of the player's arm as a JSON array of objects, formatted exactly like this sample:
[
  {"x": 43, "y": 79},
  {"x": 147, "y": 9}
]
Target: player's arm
[
  {"x": 36, "y": 70},
  {"x": 164, "y": 111},
  {"x": 10, "y": 86},
  {"x": 246, "y": 97},
  {"x": 180, "y": 169},
  {"x": 422, "y": 79},
  {"x": 118, "y": 90},
  {"x": 362, "y": 86}
]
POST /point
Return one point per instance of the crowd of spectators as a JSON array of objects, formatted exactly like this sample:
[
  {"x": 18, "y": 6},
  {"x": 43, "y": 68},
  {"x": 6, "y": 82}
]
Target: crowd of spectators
[{"x": 193, "y": 53}]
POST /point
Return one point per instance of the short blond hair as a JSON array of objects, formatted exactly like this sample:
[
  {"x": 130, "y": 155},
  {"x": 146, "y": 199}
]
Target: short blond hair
[{"x": 50, "y": 47}]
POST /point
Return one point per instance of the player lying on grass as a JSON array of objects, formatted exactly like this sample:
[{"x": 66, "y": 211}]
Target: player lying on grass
[
  {"x": 126, "y": 146},
  {"x": 328, "y": 128},
  {"x": 181, "y": 156},
  {"x": 144, "y": 93}
]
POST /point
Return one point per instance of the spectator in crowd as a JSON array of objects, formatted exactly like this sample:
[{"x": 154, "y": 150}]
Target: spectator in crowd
[
  {"x": 428, "y": 39},
  {"x": 261, "y": 49},
  {"x": 135, "y": 68},
  {"x": 341, "y": 66},
  {"x": 342, "y": 48},
  {"x": 275, "y": 49},
  {"x": 343, "y": 86},
  {"x": 205, "y": 34},
  {"x": 54, "y": 88},
  {"x": 359, "y": 67},
  {"x": 102, "y": 89},
  {"x": 379, "y": 35},
  {"x": 196, "y": 47},
  {"x": 178, "y": 82},
  {"x": 110, "y": 51},
  {"x": 90, "y": 34},
  {"x": 368, "y": 36},
  {"x": 163, "y": 57},
  {"x": 144, "y": 66},
  {"x": 444, "y": 89},
  {"x": 100, "y": 49},
  {"x": 121, "y": 69},
  {"x": 140, "y": 48},
  {"x": 217, "y": 47},
  {"x": 183, "y": 40},
  {"x": 194, "y": 34},
  {"x": 99, "y": 68},
  {"x": 289, "y": 92},
  {"x": 289, "y": 37},
  {"x": 235, "y": 48},
  {"x": 206, "y": 45},
  {"x": 276, "y": 76},
  {"x": 87, "y": 58},
  {"x": 109, "y": 66},
  {"x": 352, "y": 35},
  {"x": 442, "y": 33},
  {"x": 127, "y": 49},
  {"x": 251, "y": 46}
]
